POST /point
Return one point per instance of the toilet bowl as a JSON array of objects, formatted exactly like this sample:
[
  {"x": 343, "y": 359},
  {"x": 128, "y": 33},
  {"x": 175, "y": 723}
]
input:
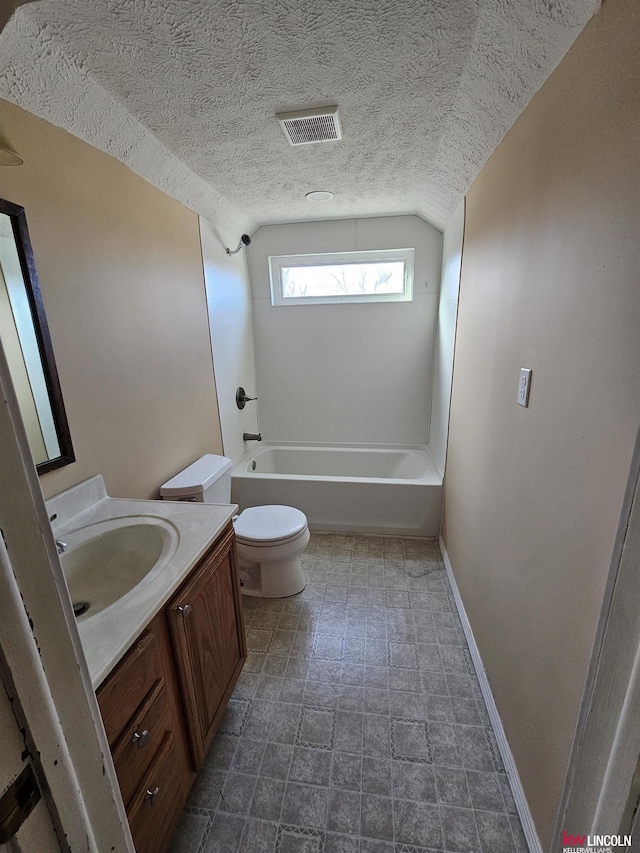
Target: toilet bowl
[{"x": 269, "y": 539}]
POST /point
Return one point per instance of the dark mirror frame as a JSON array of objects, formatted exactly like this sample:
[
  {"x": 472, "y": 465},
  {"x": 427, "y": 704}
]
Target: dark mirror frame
[{"x": 27, "y": 263}]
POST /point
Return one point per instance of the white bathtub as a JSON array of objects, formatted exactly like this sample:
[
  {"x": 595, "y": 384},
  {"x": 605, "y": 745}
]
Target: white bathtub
[{"x": 390, "y": 490}]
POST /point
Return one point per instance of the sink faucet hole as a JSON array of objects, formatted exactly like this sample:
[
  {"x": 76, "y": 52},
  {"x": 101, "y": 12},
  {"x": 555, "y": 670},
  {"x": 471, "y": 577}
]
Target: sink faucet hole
[{"x": 80, "y": 607}]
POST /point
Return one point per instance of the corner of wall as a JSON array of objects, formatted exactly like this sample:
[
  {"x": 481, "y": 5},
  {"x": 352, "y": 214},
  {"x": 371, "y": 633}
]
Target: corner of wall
[{"x": 451, "y": 263}]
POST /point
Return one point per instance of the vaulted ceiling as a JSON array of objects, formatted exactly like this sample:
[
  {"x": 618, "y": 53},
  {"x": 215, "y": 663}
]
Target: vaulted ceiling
[{"x": 185, "y": 93}]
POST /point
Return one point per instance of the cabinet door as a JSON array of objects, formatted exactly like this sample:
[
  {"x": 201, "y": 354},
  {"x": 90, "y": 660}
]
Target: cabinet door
[{"x": 207, "y": 630}]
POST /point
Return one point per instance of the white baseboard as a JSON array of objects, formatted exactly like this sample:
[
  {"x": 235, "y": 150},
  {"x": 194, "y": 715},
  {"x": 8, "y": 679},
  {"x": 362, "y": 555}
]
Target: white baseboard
[{"x": 528, "y": 826}]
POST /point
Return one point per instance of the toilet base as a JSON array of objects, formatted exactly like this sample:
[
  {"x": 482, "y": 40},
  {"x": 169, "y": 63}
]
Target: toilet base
[{"x": 277, "y": 579}]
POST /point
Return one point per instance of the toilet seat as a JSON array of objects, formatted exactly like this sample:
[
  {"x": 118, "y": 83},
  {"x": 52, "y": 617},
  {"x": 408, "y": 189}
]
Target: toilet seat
[{"x": 267, "y": 525}]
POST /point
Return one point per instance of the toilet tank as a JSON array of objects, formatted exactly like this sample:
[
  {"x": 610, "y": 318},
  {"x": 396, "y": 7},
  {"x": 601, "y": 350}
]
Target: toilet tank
[{"x": 207, "y": 480}]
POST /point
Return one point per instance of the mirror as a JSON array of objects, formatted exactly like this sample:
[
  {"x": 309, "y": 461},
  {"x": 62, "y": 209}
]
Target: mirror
[{"x": 25, "y": 338}]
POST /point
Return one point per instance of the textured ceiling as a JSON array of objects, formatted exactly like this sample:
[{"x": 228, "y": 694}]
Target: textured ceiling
[{"x": 185, "y": 92}]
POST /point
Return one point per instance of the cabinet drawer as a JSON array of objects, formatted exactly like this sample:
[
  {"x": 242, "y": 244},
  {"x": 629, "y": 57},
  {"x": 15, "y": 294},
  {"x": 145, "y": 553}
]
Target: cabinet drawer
[
  {"x": 141, "y": 739},
  {"x": 154, "y": 807},
  {"x": 128, "y": 685}
]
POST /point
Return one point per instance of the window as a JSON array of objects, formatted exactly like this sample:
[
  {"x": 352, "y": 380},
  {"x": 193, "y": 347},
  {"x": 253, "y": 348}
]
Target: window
[{"x": 380, "y": 276}]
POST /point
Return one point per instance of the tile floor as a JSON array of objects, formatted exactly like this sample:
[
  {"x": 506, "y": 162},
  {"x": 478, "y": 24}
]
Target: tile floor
[{"x": 357, "y": 724}]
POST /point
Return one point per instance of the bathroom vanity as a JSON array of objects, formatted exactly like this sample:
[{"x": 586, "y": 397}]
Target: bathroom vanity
[
  {"x": 163, "y": 702},
  {"x": 164, "y": 657}
]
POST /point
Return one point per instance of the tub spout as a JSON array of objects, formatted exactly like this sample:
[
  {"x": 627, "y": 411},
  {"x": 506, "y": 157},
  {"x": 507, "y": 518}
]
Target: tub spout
[{"x": 250, "y": 436}]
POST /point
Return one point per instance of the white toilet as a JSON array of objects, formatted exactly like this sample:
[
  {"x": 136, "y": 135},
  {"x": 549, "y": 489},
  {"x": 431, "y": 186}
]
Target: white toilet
[{"x": 270, "y": 539}]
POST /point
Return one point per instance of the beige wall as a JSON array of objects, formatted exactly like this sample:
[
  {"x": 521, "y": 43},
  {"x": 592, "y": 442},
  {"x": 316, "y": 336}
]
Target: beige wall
[
  {"x": 549, "y": 282},
  {"x": 121, "y": 275}
]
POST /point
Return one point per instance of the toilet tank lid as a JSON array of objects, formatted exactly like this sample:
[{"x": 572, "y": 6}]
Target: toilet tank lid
[{"x": 197, "y": 477}]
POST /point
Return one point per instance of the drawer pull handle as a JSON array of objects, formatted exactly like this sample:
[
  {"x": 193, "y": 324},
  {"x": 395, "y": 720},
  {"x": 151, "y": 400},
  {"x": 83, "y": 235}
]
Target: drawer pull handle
[
  {"x": 151, "y": 796},
  {"x": 141, "y": 739},
  {"x": 186, "y": 610}
]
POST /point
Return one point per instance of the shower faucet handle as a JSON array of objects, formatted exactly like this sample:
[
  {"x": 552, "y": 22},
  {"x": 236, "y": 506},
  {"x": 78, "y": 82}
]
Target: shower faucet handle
[{"x": 242, "y": 399}]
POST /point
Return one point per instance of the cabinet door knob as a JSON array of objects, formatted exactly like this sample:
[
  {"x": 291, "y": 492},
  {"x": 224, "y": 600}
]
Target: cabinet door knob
[
  {"x": 141, "y": 738},
  {"x": 186, "y": 610},
  {"x": 151, "y": 796}
]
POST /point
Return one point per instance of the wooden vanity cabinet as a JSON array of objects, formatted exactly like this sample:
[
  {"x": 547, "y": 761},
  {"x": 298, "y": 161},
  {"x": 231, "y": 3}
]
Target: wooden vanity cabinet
[
  {"x": 207, "y": 630},
  {"x": 142, "y": 714},
  {"x": 163, "y": 702}
]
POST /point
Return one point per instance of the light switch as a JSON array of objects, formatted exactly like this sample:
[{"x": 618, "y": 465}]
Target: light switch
[{"x": 523, "y": 386}]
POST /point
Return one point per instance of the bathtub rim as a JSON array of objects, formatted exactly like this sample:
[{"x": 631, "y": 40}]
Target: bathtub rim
[{"x": 434, "y": 478}]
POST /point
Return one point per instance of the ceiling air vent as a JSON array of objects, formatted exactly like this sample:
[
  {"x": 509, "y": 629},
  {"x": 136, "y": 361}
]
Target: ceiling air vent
[{"x": 306, "y": 126}]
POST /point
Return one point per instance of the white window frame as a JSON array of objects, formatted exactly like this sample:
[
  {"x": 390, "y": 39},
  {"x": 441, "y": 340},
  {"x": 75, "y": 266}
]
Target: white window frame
[{"x": 277, "y": 262}]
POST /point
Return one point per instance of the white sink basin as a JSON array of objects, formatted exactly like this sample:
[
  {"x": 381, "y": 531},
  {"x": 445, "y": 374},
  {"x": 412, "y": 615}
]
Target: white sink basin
[{"x": 107, "y": 560}]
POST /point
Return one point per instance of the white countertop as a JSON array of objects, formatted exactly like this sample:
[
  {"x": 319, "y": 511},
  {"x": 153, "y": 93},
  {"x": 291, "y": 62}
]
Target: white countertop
[{"x": 108, "y": 635}]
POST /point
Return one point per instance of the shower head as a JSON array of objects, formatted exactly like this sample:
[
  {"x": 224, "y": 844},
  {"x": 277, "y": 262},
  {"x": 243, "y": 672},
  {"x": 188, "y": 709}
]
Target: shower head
[{"x": 245, "y": 240}]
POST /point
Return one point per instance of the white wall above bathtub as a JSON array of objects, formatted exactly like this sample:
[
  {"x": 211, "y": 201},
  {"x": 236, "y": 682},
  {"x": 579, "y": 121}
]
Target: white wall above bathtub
[
  {"x": 447, "y": 317},
  {"x": 346, "y": 373},
  {"x": 229, "y": 307}
]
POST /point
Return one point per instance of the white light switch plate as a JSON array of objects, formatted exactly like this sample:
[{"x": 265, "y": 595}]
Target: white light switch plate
[{"x": 523, "y": 386}]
